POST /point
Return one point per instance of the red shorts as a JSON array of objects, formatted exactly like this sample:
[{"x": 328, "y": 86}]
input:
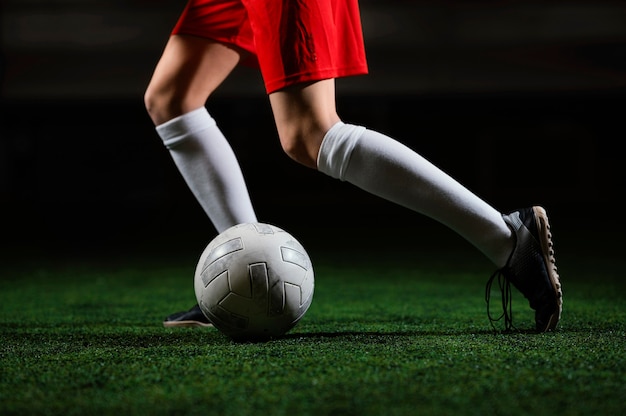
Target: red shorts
[{"x": 291, "y": 41}]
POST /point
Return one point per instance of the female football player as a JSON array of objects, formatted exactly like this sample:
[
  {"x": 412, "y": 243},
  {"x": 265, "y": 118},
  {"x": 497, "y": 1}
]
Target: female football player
[{"x": 300, "y": 48}]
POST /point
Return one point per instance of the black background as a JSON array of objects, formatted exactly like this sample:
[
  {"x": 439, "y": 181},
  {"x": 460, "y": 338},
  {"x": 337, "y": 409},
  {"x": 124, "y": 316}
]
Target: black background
[{"x": 523, "y": 102}]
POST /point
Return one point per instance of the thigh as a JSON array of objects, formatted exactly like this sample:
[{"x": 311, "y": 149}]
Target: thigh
[{"x": 188, "y": 72}]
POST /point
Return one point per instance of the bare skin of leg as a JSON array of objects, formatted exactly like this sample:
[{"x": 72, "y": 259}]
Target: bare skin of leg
[
  {"x": 303, "y": 114},
  {"x": 189, "y": 71}
]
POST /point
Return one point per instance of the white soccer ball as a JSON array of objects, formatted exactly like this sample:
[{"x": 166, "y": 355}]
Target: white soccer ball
[{"x": 254, "y": 281}]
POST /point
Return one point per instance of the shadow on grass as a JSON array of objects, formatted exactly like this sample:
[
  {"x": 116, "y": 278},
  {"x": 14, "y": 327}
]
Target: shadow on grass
[
  {"x": 40, "y": 336},
  {"x": 411, "y": 333}
]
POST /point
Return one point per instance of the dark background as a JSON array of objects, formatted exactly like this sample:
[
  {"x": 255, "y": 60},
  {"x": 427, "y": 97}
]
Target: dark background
[{"x": 521, "y": 101}]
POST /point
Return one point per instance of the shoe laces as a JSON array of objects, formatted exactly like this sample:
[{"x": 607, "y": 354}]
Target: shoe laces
[{"x": 505, "y": 293}]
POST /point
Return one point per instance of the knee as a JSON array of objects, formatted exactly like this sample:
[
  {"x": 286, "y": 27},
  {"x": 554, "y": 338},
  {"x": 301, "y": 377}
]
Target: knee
[
  {"x": 161, "y": 105},
  {"x": 302, "y": 147},
  {"x": 165, "y": 104},
  {"x": 156, "y": 105}
]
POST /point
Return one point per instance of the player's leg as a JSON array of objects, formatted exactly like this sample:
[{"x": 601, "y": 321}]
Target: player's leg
[
  {"x": 190, "y": 69},
  {"x": 303, "y": 114},
  {"x": 311, "y": 133}
]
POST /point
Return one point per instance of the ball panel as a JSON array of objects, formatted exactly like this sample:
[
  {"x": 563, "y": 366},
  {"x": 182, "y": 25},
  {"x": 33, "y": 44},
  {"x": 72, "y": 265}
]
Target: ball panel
[
  {"x": 224, "y": 319},
  {"x": 259, "y": 283},
  {"x": 276, "y": 297},
  {"x": 263, "y": 228},
  {"x": 294, "y": 256},
  {"x": 222, "y": 250},
  {"x": 217, "y": 288},
  {"x": 293, "y": 296}
]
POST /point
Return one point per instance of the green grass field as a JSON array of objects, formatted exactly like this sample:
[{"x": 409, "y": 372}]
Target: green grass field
[{"x": 391, "y": 335}]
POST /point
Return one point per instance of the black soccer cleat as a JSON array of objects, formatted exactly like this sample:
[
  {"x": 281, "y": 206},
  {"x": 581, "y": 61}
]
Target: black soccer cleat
[
  {"x": 191, "y": 318},
  {"x": 531, "y": 268}
]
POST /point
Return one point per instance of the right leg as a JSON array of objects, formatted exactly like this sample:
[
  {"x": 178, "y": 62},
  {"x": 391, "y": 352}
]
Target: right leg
[{"x": 190, "y": 69}]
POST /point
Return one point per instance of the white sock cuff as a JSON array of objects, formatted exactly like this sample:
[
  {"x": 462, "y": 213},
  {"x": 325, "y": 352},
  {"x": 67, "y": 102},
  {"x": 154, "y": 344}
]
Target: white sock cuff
[
  {"x": 178, "y": 129},
  {"x": 336, "y": 149}
]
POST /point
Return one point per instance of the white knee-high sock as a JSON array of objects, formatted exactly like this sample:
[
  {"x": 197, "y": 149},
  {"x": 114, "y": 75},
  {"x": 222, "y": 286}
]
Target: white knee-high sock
[
  {"x": 388, "y": 169},
  {"x": 207, "y": 162}
]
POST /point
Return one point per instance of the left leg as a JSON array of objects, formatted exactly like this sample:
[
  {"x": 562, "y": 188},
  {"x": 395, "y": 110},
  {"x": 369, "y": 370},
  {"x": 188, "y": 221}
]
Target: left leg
[
  {"x": 519, "y": 244},
  {"x": 304, "y": 114},
  {"x": 311, "y": 133},
  {"x": 299, "y": 77}
]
